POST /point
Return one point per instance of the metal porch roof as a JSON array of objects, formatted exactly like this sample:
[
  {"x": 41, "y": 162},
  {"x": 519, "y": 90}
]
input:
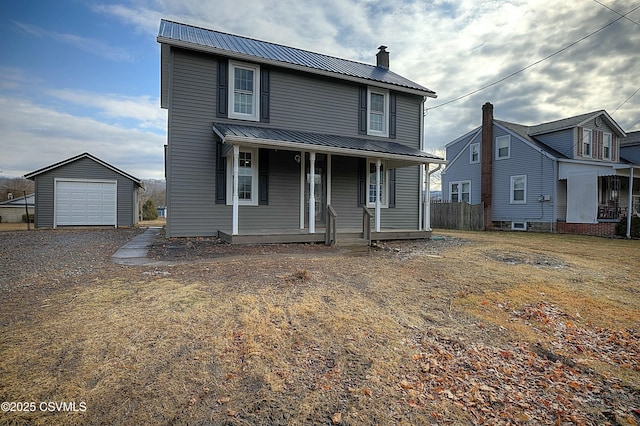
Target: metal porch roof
[
  {"x": 345, "y": 145},
  {"x": 184, "y": 35}
]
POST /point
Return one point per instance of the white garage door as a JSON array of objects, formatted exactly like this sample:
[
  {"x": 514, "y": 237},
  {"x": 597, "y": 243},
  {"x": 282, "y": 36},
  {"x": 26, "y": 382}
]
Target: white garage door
[{"x": 85, "y": 203}]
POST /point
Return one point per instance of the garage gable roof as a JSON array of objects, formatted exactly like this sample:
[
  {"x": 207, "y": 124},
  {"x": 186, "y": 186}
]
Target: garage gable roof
[{"x": 78, "y": 157}]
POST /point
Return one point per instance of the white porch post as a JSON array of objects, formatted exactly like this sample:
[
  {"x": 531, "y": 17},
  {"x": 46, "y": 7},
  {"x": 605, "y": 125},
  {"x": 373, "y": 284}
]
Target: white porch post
[
  {"x": 630, "y": 203},
  {"x": 378, "y": 188},
  {"x": 427, "y": 200},
  {"x": 236, "y": 165},
  {"x": 302, "y": 200},
  {"x": 312, "y": 192}
]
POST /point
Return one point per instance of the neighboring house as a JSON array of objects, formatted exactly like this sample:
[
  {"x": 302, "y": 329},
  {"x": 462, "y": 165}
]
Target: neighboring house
[
  {"x": 86, "y": 191},
  {"x": 266, "y": 141},
  {"x": 630, "y": 152},
  {"x": 162, "y": 211},
  {"x": 566, "y": 176},
  {"x": 12, "y": 210}
]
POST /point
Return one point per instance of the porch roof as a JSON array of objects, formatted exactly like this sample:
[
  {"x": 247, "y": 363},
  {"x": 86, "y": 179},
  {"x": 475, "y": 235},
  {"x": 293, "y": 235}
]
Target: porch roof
[{"x": 267, "y": 137}]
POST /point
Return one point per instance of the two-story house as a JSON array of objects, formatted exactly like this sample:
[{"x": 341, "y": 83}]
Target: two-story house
[
  {"x": 272, "y": 143},
  {"x": 565, "y": 176}
]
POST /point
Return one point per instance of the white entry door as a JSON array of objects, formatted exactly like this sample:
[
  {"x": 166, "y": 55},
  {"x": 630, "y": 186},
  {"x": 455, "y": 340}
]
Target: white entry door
[{"x": 79, "y": 202}]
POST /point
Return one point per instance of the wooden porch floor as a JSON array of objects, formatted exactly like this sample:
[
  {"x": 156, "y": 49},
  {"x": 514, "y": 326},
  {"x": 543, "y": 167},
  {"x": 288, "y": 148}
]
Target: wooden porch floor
[{"x": 347, "y": 236}]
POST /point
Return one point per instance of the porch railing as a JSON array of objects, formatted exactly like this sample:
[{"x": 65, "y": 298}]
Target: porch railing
[
  {"x": 331, "y": 230},
  {"x": 366, "y": 224}
]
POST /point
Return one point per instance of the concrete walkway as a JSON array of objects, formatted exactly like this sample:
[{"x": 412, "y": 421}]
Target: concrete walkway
[{"x": 135, "y": 251}]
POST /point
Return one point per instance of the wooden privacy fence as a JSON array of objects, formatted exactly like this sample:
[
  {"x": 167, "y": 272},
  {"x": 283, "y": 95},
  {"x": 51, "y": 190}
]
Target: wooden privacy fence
[{"x": 464, "y": 216}]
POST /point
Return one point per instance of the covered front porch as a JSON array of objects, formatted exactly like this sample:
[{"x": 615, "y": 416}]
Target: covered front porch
[
  {"x": 601, "y": 194},
  {"x": 322, "y": 188}
]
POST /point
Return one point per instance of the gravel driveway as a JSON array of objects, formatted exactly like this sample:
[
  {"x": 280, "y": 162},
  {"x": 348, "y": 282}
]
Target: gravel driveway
[{"x": 48, "y": 259}]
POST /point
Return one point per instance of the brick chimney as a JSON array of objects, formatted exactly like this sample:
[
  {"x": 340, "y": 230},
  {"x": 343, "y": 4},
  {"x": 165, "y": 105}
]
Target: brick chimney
[
  {"x": 486, "y": 149},
  {"x": 382, "y": 57}
]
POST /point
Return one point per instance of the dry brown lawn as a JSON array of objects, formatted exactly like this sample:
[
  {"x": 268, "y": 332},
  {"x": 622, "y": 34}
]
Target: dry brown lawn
[{"x": 482, "y": 328}]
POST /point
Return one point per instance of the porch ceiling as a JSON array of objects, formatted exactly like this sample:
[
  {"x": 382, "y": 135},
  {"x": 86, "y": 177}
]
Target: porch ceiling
[{"x": 266, "y": 137}]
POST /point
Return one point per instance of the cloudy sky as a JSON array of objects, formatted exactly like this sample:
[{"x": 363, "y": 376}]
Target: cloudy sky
[{"x": 83, "y": 75}]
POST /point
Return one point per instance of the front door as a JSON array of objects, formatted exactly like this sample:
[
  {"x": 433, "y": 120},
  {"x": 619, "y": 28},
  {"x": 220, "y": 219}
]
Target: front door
[{"x": 320, "y": 189}]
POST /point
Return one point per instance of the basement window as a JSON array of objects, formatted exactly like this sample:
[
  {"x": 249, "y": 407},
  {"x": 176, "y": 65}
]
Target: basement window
[{"x": 519, "y": 226}]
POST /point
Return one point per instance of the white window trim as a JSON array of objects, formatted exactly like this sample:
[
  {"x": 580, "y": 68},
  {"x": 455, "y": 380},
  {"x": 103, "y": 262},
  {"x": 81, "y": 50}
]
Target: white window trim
[
  {"x": 516, "y": 228},
  {"x": 460, "y": 183},
  {"x": 508, "y": 139},
  {"x": 604, "y": 141},
  {"x": 590, "y": 133},
  {"x": 256, "y": 91},
  {"x": 385, "y": 118},
  {"x": 511, "y": 189},
  {"x": 254, "y": 179},
  {"x": 471, "y": 161},
  {"x": 385, "y": 187}
]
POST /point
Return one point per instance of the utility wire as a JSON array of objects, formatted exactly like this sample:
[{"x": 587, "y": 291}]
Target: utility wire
[
  {"x": 626, "y": 100},
  {"x": 535, "y": 63},
  {"x": 615, "y": 11}
]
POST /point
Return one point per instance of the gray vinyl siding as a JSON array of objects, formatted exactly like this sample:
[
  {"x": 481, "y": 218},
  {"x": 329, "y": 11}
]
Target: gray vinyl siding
[
  {"x": 539, "y": 169},
  {"x": 191, "y": 147},
  {"x": 283, "y": 210},
  {"x": 406, "y": 213},
  {"x": 562, "y": 141},
  {"x": 83, "y": 168},
  {"x": 344, "y": 192},
  {"x": 297, "y": 102}
]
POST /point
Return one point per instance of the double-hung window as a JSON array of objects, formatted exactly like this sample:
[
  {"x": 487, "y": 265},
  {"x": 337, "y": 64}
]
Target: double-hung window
[
  {"x": 247, "y": 178},
  {"x": 518, "y": 189},
  {"x": 383, "y": 184},
  {"x": 244, "y": 92},
  {"x": 474, "y": 153},
  {"x": 378, "y": 112},
  {"x": 586, "y": 142},
  {"x": 503, "y": 147},
  {"x": 606, "y": 146},
  {"x": 460, "y": 191}
]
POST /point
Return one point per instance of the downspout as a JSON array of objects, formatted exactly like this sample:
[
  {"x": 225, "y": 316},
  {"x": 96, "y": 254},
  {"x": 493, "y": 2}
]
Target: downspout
[
  {"x": 630, "y": 202},
  {"x": 427, "y": 199}
]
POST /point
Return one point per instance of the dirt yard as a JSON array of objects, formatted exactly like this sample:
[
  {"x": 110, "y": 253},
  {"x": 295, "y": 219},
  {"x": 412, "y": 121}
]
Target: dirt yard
[{"x": 474, "y": 328}]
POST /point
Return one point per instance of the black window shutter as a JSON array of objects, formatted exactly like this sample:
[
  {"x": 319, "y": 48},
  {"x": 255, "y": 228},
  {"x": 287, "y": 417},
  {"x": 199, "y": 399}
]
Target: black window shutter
[
  {"x": 263, "y": 177},
  {"x": 392, "y": 115},
  {"x": 265, "y": 81},
  {"x": 362, "y": 182},
  {"x": 362, "y": 111},
  {"x": 392, "y": 188},
  {"x": 223, "y": 87},
  {"x": 221, "y": 175}
]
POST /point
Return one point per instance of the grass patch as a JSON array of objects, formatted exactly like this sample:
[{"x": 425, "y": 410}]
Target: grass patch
[{"x": 395, "y": 337}]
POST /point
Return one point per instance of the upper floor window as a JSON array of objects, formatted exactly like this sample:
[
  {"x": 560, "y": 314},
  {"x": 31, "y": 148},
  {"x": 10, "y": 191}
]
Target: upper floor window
[
  {"x": 519, "y": 189},
  {"x": 586, "y": 142},
  {"x": 503, "y": 147},
  {"x": 460, "y": 191},
  {"x": 378, "y": 113},
  {"x": 244, "y": 91},
  {"x": 474, "y": 153},
  {"x": 371, "y": 184},
  {"x": 606, "y": 146}
]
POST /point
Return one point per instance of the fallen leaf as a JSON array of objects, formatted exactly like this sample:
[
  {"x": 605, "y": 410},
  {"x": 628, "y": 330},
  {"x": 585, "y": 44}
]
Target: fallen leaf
[{"x": 336, "y": 419}]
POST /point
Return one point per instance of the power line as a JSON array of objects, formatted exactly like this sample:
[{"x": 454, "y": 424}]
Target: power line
[
  {"x": 535, "y": 63},
  {"x": 626, "y": 100},
  {"x": 615, "y": 11}
]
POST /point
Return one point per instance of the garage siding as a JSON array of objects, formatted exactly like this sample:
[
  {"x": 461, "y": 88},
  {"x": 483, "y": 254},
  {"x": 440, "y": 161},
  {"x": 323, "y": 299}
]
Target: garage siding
[{"x": 83, "y": 168}]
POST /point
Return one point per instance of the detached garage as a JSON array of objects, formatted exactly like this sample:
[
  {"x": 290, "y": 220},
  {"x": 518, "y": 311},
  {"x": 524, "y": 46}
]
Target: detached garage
[{"x": 85, "y": 191}]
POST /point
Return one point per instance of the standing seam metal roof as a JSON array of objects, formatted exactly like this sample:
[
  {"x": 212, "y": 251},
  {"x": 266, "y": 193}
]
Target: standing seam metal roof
[
  {"x": 206, "y": 38},
  {"x": 323, "y": 140}
]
